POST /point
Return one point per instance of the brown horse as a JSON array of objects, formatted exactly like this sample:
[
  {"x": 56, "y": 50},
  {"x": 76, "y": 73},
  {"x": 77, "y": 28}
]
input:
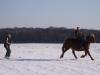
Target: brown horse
[{"x": 73, "y": 44}]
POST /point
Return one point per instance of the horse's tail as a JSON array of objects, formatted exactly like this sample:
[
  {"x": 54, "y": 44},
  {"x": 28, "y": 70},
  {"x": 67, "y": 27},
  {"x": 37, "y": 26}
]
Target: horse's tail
[
  {"x": 63, "y": 51},
  {"x": 63, "y": 48},
  {"x": 66, "y": 45}
]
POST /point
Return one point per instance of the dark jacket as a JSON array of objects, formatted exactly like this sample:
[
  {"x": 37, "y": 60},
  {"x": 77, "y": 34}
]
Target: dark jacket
[{"x": 7, "y": 41}]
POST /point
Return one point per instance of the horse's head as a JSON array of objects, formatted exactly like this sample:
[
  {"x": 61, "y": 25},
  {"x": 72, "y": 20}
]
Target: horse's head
[{"x": 91, "y": 38}]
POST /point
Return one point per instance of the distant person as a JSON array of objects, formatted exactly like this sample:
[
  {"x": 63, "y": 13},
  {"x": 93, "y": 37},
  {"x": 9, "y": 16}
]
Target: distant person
[
  {"x": 79, "y": 36},
  {"x": 7, "y": 44},
  {"x": 77, "y": 32}
]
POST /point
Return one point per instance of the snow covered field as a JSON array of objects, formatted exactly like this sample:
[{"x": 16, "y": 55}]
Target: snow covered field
[{"x": 43, "y": 59}]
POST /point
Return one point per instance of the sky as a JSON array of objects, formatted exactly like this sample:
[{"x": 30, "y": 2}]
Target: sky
[{"x": 47, "y": 13}]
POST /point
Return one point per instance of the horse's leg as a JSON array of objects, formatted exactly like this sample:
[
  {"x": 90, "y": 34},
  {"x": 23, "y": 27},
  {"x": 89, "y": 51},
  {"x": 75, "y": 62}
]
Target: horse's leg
[
  {"x": 90, "y": 55},
  {"x": 62, "y": 54},
  {"x": 84, "y": 55},
  {"x": 73, "y": 51},
  {"x": 63, "y": 51}
]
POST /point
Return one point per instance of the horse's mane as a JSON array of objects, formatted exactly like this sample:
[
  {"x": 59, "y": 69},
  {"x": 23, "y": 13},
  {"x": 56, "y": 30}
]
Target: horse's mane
[{"x": 91, "y": 38}]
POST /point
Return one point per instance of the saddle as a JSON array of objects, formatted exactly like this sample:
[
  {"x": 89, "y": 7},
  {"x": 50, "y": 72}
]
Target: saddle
[{"x": 80, "y": 42}]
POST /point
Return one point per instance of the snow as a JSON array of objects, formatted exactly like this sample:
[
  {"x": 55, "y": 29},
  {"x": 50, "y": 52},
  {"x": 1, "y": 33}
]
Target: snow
[{"x": 43, "y": 59}]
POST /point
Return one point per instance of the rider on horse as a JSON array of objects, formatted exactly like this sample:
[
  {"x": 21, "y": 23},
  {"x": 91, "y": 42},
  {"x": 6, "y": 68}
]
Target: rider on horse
[{"x": 80, "y": 37}]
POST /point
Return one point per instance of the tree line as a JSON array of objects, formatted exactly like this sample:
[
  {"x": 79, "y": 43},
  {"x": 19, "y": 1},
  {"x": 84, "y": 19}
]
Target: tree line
[{"x": 43, "y": 35}]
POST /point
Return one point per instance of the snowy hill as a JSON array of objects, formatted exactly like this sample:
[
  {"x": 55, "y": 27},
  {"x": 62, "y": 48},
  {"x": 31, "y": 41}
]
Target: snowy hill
[{"x": 43, "y": 59}]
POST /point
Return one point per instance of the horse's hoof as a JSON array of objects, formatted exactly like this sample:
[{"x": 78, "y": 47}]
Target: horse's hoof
[
  {"x": 92, "y": 59},
  {"x": 82, "y": 56},
  {"x": 61, "y": 56},
  {"x": 76, "y": 58}
]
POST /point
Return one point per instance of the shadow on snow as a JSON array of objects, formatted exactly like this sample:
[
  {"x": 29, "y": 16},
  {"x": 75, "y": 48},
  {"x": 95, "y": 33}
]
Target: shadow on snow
[{"x": 41, "y": 59}]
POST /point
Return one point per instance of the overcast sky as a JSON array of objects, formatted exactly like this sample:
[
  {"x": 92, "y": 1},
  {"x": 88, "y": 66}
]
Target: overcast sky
[{"x": 46, "y": 13}]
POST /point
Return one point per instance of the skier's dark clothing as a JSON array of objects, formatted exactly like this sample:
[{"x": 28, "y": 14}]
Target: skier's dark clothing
[{"x": 7, "y": 44}]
